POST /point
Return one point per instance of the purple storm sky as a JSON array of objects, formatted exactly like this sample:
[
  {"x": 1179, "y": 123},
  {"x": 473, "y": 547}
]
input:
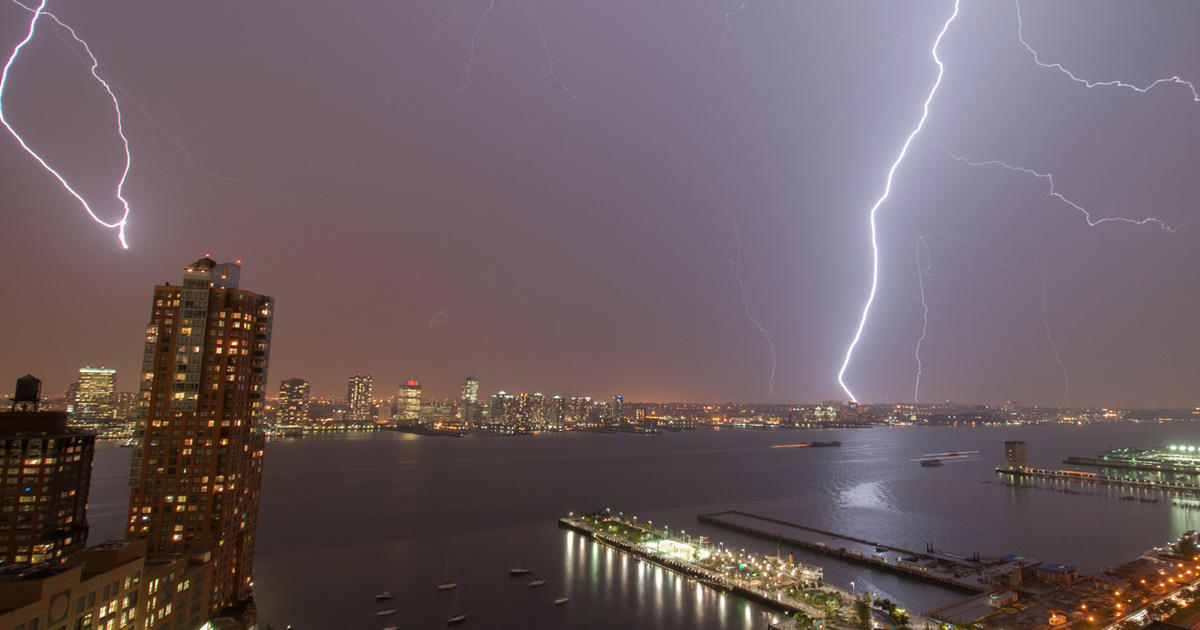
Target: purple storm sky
[{"x": 420, "y": 215}]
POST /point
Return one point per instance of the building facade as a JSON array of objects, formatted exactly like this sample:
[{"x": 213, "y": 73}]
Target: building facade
[
  {"x": 196, "y": 473},
  {"x": 95, "y": 398},
  {"x": 360, "y": 398},
  {"x": 408, "y": 401},
  {"x": 47, "y": 469},
  {"x": 293, "y": 402}
]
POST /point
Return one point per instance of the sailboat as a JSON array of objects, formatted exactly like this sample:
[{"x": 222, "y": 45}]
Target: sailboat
[
  {"x": 537, "y": 582},
  {"x": 456, "y": 617},
  {"x": 446, "y": 584}
]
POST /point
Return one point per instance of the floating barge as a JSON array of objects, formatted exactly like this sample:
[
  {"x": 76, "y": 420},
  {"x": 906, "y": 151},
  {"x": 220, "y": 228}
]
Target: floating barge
[{"x": 1097, "y": 478}]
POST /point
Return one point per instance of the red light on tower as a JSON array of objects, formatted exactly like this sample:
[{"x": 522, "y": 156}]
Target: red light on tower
[
  {"x": 411, "y": 382},
  {"x": 238, "y": 261},
  {"x": 208, "y": 254}
]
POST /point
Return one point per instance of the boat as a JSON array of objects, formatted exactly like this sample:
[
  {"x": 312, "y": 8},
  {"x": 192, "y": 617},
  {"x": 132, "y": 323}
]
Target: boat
[
  {"x": 826, "y": 444},
  {"x": 560, "y": 601},
  {"x": 386, "y": 613},
  {"x": 456, "y": 619},
  {"x": 536, "y": 583},
  {"x": 927, "y": 463},
  {"x": 446, "y": 584},
  {"x": 384, "y": 596},
  {"x": 514, "y": 572}
]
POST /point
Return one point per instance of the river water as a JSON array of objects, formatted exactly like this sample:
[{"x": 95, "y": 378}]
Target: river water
[{"x": 347, "y": 516}]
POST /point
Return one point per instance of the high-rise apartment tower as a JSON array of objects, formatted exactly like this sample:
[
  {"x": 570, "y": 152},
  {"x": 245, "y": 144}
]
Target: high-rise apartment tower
[{"x": 197, "y": 471}]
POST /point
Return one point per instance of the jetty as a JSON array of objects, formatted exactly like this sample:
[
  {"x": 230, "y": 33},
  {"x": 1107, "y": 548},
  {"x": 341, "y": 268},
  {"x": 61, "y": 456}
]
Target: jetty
[{"x": 968, "y": 573}]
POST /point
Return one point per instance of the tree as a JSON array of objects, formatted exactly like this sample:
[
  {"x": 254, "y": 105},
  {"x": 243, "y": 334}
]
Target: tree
[{"x": 862, "y": 611}]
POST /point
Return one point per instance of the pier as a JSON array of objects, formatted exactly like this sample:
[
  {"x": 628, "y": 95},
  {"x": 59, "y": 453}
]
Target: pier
[
  {"x": 767, "y": 580},
  {"x": 973, "y": 574},
  {"x": 1091, "y": 477}
]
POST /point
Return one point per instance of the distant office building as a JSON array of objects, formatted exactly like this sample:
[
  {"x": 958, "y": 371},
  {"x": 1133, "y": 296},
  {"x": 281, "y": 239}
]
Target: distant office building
[
  {"x": 468, "y": 401},
  {"x": 531, "y": 410},
  {"x": 293, "y": 402},
  {"x": 196, "y": 475},
  {"x": 360, "y": 398},
  {"x": 1015, "y": 455},
  {"x": 616, "y": 410},
  {"x": 408, "y": 401},
  {"x": 94, "y": 403},
  {"x": 45, "y": 484}
]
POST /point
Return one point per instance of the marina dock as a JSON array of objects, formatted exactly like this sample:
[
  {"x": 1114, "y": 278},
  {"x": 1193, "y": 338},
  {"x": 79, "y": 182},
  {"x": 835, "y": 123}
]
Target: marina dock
[{"x": 972, "y": 573}]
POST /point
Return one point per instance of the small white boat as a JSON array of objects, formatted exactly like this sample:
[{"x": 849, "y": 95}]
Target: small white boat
[
  {"x": 391, "y": 628},
  {"x": 560, "y": 601},
  {"x": 386, "y": 613},
  {"x": 384, "y": 596},
  {"x": 447, "y": 586},
  {"x": 519, "y": 571},
  {"x": 456, "y": 619},
  {"x": 536, "y": 583}
]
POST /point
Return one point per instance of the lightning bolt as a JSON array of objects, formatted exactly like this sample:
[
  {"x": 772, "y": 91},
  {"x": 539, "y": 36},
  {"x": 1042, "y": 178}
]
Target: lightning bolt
[
  {"x": 1175, "y": 80},
  {"x": 471, "y": 51},
  {"x": 922, "y": 270},
  {"x": 862, "y": 323},
  {"x": 1046, "y": 315},
  {"x": 38, "y": 12},
  {"x": 735, "y": 266},
  {"x": 437, "y": 31},
  {"x": 729, "y": 15},
  {"x": 1088, "y": 216},
  {"x": 571, "y": 96}
]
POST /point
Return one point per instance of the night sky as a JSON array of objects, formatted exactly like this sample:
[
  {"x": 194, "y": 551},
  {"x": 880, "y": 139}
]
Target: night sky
[{"x": 416, "y": 215}]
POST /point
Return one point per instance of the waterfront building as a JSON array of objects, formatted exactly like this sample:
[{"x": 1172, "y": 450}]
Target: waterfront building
[
  {"x": 408, "y": 401},
  {"x": 126, "y": 407},
  {"x": 1016, "y": 455},
  {"x": 502, "y": 409},
  {"x": 94, "y": 403},
  {"x": 360, "y": 398},
  {"x": 556, "y": 412},
  {"x": 196, "y": 473},
  {"x": 616, "y": 410},
  {"x": 293, "y": 402},
  {"x": 44, "y": 485},
  {"x": 580, "y": 410},
  {"x": 531, "y": 410},
  {"x": 468, "y": 401}
]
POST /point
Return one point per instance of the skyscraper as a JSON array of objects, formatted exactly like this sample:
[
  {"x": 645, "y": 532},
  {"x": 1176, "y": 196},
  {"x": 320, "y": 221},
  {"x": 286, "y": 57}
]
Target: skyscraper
[
  {"x": 95, "y": 397},
  {"x": 616, "y": 411},
  {"x": 408, "y": 401},
  {"x": 468, "y": 401},
  {"x": 44, "y": 488},
  {"x": 197, "y": 472},
  {"x": 293, "y": 401},
  {"x": 360, "y": 398}
]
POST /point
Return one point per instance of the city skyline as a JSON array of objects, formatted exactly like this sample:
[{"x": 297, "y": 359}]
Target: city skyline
[{"x": 656, "y": 231}]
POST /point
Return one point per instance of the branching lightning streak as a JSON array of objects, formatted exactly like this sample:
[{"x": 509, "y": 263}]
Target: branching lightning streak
[
  {"x": 922, "y": 269},
  {"x": 437, "y": 31},
  {"x": 729, "y": 15},
  {"x": 471, "y": 53},
  {"x": 38, "y": 12},
  {"x": 735, "y": 265},
  {"x": 1176, "y": 80},
  {"x": 862, "y": 323},
  {"x": 1046, "y": 315},
  {"x": 1053, "y": 192},
  {"x": 571, "y": 96}
]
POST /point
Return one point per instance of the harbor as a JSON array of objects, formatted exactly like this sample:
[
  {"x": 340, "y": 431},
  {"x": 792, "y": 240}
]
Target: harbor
[
  {"x": 968, "y": 573},
  {"x": 1098, "y": 478}
]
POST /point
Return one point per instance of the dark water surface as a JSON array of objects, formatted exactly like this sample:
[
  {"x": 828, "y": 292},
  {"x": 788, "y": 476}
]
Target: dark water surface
[{"x": 346, "y": 517}]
